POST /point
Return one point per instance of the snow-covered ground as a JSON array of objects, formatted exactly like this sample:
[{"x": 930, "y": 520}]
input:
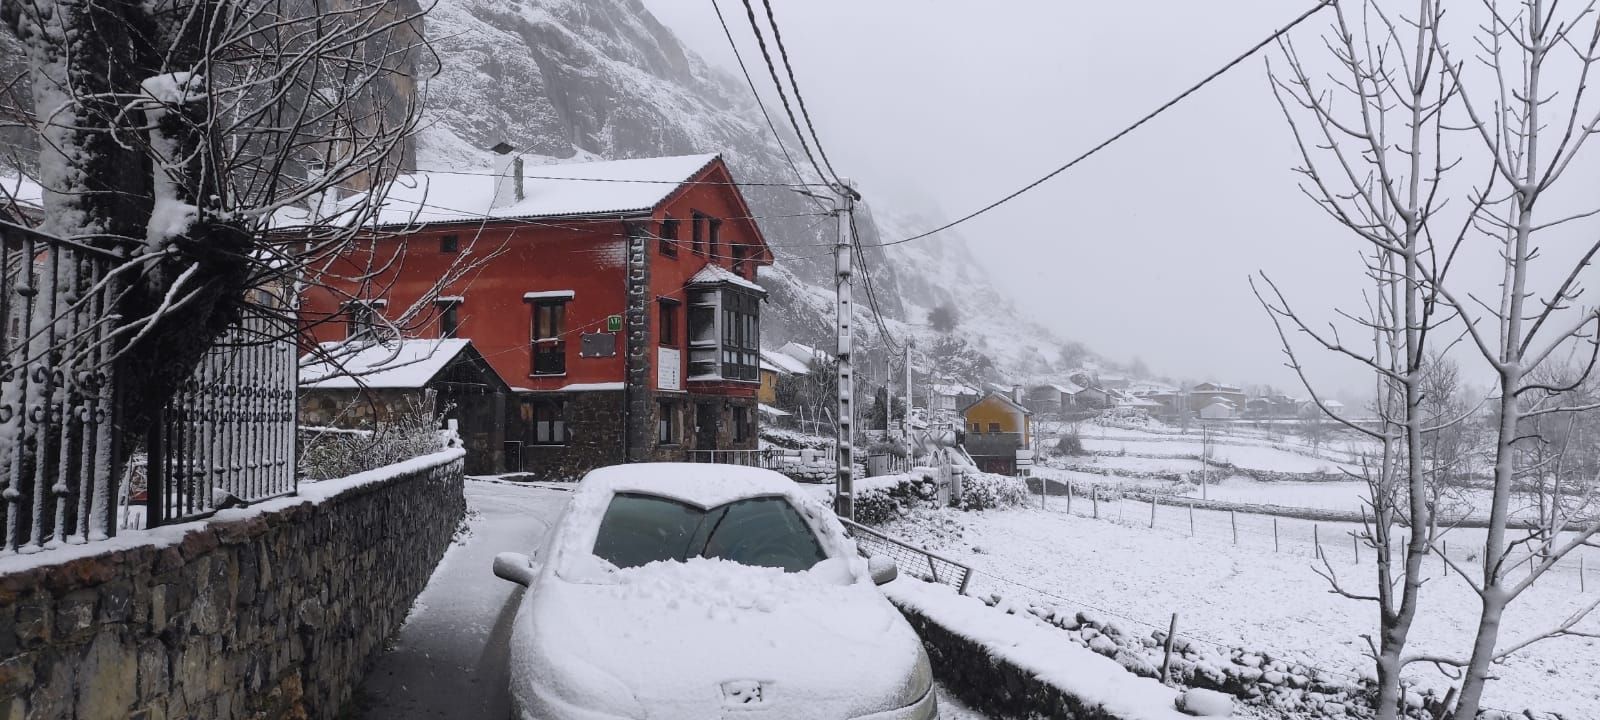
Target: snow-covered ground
[
  {"x": 1249, "y": 595},
  {"x": 1245, "y": 456}
]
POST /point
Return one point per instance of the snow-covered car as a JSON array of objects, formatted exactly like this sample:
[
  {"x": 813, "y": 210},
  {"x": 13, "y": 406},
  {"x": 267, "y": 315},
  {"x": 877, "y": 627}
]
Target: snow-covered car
[{"x": 698, "y": 591}]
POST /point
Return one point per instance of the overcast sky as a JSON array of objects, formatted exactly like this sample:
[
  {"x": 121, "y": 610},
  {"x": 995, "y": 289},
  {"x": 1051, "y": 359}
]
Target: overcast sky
[{"x": 1143, "y": 251}]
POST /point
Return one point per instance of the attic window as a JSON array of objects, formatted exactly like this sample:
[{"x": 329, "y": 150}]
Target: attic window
[
  {"x": 698, "y": 231},
  {"x": 449, "y": 243}
]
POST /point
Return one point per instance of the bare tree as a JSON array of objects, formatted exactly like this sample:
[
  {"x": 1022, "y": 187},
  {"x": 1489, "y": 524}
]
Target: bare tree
[
  {"x": 1369, "y": 134},
  {"x": 218, "y": 156}
]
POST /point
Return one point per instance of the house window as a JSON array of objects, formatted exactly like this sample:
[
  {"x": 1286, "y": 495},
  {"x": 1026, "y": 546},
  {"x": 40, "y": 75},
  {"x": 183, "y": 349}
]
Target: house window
[
  {"x": 361, "y": 318},
  {"x": 977, "y": 428},
  {"x": 994, "y": 427},
  {"x": 548, "y": 420},
  {"x": 668, "y": 430},
  {"x": 449, "y": 317},
  {"x": 669, "y": 237},
  {"x": 739, "y": 251},
  {"x": 741, "y": 336},
  {"x": 741, "y": 424},
  {"x": 449, "y": 243},
  {"x": 669, "y": 322},
  {"x": 697, "y": 233},
  {"x": 714, "y": 233},
  {"x": 549, "y": 349}
]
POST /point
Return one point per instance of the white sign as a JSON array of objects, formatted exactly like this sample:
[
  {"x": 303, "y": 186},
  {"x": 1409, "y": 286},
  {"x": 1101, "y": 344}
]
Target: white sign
[{"x": 669, "y": 373}]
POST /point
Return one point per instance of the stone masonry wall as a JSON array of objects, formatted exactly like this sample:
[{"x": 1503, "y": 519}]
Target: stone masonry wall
[{"x": 266, "y": 612}]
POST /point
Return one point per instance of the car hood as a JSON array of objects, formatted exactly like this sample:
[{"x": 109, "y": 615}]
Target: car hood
[{"x": 691, "y": 640}]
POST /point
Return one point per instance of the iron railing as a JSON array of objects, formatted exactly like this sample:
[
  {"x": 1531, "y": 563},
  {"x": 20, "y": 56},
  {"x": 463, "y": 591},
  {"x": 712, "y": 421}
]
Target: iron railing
[
  {"x": 228, "y": 437},
  {"x": 57, "y": 405},
  {"x": 753, "y": 458},
  {"x": 908, "y": 558}
]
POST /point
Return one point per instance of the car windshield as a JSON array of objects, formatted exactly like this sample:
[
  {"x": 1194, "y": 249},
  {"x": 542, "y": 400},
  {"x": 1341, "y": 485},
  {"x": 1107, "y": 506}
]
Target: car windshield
[{"x": 639, "y": 529}]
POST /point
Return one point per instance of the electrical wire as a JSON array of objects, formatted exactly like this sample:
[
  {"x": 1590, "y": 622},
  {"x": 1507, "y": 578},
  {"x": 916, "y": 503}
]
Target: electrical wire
[
  {"x": 1121, "y": 133},
  {"x": 787, "y": 156},
  {"x": 772, "y": 69},
  {"x": 783, "y": 52}
]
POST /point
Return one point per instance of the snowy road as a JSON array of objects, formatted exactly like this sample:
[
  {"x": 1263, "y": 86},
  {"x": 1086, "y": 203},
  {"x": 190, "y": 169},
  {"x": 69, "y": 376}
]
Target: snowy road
[{"x": 449, "y": 660}]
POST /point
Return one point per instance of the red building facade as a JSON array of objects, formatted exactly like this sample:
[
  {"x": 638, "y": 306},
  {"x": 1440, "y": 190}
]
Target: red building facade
[{"x": 617, "y": 300}]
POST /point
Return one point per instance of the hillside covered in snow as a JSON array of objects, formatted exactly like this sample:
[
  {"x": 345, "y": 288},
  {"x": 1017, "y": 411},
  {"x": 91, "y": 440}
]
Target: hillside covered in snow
[{"x": 586, "y": 79}]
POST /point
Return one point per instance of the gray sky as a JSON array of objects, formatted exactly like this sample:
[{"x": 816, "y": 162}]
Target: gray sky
[{"x": 1145, "y": 249}]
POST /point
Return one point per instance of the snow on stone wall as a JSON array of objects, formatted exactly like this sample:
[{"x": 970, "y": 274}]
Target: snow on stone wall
[{"x": 267, "y": 612}]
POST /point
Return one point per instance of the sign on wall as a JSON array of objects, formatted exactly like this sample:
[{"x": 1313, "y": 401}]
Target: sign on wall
[
  {"x": 668, "y": 373},
  {"x": 598, "y": 345}
]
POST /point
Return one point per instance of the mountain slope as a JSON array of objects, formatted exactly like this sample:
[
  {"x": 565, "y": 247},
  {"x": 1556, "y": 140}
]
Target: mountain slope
[{"x": 576, "y": 79}]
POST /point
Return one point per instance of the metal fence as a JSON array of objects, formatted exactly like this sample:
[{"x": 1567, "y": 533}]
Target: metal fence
[
  {"x": 910, "y": 559},
  {"x": 56, "y": 403},
  {"x": 229, "y": 432},
  {"x": 229, "y": 435},
  {"x": 753, "y": 458}
]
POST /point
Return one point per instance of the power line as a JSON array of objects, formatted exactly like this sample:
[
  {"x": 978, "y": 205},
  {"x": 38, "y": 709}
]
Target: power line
[
  {"x": 794, "y": 85},
  {"x": 625, "y": 180},
  {"x": 789, "y": 158},
  {"x": 872, "y": 292},
  {"x": 1125, "y": 131},
  {"x": 772, "y": 69}
]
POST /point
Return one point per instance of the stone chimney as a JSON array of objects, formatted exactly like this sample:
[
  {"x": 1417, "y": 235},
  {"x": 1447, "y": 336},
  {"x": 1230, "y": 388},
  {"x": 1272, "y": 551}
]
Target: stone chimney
[
  {"x": 1016, "y": 394},
  {"x": 508, "y": 187}
]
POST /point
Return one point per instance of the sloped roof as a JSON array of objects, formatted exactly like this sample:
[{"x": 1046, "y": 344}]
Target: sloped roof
[
  {"x": 610, "y": 187},
  {"x": 953, "y": 389},
  {"x": 713, "y": 274},
  {"x": 803, "y": 353},
  {"x": 407, "y": 364},
  {"x": 783, "y": 363},
  {"x": 1002, "y": 398},
  {"x": 1070, "y": 388}
]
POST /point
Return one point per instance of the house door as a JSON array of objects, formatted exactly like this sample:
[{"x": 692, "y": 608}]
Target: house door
[{"x": 705, "y": 426}]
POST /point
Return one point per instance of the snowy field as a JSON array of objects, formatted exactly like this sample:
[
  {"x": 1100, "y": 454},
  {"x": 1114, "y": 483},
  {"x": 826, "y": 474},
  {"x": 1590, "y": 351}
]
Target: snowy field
[
  {"x": 1245, "y": 456},
  {"x": 1250, "y": 595}
]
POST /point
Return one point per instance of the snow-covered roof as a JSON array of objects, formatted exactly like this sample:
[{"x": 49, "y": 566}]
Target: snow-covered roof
[
  {"x": 770, "y": 410},
  {"x": 713, "y": 274},
  {"x": 364, "y": 364},
  {"x": 1005, "y": 398},
  {"x": 782, "y": 363},
  {"x": 1069, "y": 388},
  {"x": 610, "y": 187},
  {"x": 803, "y": 353},
  {"x": 953, "y": 389}
]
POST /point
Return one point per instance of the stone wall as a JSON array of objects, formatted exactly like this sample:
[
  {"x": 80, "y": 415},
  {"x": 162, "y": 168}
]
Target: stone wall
[{"x": 267, "y": 612}]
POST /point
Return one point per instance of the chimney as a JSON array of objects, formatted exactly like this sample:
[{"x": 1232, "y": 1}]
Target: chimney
[
  {"x": 1016, "y": 394},
  {"x": 508, "y": 187}
]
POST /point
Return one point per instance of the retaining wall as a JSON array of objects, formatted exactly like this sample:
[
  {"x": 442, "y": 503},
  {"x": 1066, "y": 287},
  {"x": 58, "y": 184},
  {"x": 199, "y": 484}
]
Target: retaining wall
[{"x": 268, "y": 612}]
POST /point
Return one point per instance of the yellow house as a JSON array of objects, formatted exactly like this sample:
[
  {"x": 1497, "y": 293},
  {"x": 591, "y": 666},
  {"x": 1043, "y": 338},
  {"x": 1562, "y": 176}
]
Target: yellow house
[
  {"x": 997, "y": 427},
  {"x": 773, "y": 366}
]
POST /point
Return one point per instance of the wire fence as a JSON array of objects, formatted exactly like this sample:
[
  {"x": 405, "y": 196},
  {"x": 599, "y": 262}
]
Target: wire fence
[
  {"x": 910, "y": 559},
  {"x": 1341, "y": 543}
]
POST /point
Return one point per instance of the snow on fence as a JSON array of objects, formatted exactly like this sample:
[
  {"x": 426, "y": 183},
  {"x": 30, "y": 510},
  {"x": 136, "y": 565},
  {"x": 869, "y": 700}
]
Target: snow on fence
[
  {"x": 910, "y": 559},
  {"x": 56, "y": 434},
  {"x": 230, "y": 432},
  {"x": 229, "y": 435}
]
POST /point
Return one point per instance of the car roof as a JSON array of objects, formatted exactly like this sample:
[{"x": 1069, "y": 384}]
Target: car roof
[{"x": 702, "y": 484}]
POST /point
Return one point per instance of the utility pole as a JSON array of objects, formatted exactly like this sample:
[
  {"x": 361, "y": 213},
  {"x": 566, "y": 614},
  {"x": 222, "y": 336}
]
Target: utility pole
[
  {"x": 844, "y": 206},
  {"x": 905, "y": 420}
]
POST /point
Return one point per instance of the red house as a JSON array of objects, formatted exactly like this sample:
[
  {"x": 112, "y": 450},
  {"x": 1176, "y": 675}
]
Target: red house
[{"x": 617, "y": 300}]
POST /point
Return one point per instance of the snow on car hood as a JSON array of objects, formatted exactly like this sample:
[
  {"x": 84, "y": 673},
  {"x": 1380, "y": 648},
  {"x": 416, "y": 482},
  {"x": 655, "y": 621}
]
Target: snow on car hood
[{"x": 683, "y": 636}]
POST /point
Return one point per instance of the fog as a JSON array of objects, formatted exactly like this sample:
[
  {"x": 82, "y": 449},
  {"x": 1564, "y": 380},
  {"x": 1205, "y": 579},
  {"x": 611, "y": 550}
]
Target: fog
[{"x": 1145, "y": 250}]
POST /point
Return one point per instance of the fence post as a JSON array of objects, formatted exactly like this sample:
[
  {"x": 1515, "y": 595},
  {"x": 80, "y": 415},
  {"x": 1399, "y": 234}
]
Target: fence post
[
  {"x": 1069, "y": 497},
  {"x": 1166, "y": 661},
  {"x": 1355, "y": 546},
  {"x": 1582, "y": 584},
  {"x": 1094, "y": 491},
  {"x": 1233, "y": 520},
  {"x": 1316, "y": 539},
  {"x": 1275, "y": 533},
  {"x": 1191, "y": 519},
  {"x": 1443, "y": 553},
  {"x": 1152, "y": 512}
]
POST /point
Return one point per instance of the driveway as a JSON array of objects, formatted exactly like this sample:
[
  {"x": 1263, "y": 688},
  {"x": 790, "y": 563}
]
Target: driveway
[{"x": 449, "y": 661}]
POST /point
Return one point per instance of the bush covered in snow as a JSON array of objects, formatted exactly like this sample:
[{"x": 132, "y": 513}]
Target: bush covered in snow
[
  {"x": 327, "y": 453},
  {"x": 884, "y": 498},
  {"x": 986, "y": 491}
]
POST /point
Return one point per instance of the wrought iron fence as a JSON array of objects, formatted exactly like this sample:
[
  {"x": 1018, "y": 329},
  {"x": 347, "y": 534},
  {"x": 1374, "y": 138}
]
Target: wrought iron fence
[
  {"x": 910, "y": 559},
  {"x": 229, "y": 435},
  {"x": 57, "y": 438},
  {"x": 231, "y": 428}
]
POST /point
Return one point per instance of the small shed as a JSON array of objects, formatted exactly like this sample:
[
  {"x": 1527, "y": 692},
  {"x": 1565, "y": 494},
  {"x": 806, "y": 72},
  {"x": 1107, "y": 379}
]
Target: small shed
[
  {"x": 364, "y": 384},
  {"x": 1219, "y": 410}
]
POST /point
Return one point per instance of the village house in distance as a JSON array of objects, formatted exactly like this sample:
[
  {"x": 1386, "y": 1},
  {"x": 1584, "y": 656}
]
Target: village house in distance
[{"x": 617, "y": 301}]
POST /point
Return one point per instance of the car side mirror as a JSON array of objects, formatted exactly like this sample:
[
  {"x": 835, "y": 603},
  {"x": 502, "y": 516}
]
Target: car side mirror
[
  {"x": 882, "y": 568},
  {"x": 516, "y": 567}
]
